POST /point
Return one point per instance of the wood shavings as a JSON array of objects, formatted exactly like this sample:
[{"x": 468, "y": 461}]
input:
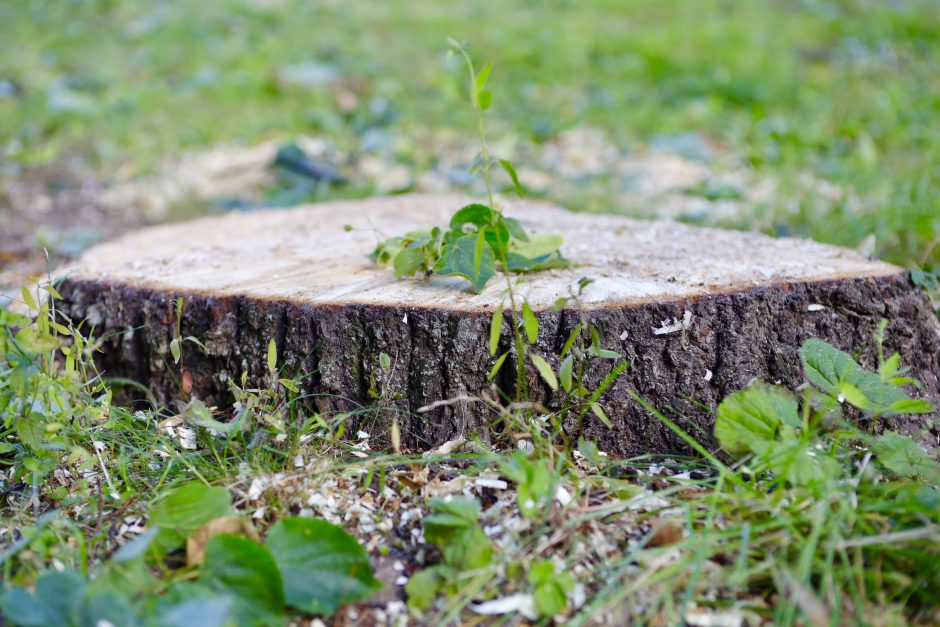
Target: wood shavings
[{"x": 675, "y": 326}]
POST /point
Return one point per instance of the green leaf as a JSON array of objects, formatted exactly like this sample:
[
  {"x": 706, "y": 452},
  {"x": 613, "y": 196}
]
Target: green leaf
[
  {"x": 599, "y": 412},
  {"x": 448, "y": 518},
  {"x": 245, "y": 569},
  {"x": 385, "y": 361},
  {"x": 551, "y": 588},
  {"x": 565, "y": 372},
  {"x": 272, "y": 356},
  {"x": 483, "y": 75},
  {"x": 477, "y": 214},
  {"x": 852, "y": 394},
  {"x": 537, "y": 246},
  {"x": 470, "y": 257},
  {"x": 530, "y": 323},
  {"x": 58, "y": 599},
  {"x": 511, "y": 171},
  {"x": 29, "y": 299},
  {"x": 496, "y": 327},
  {"x": 832, "y": 371},
  {"x": 423, "y": 586},
  {"x": 485, "y": 99},
  {"x": 795, "y": 461},
  {"x": 185, "y": 510},
  {"x": 754, "y": 415},
  {"x": 497, "y": 366},
  {"x": 912, "y": 406},
  {"x": 469, "y": 549},
  {"x": 516, "y": 229},
  {"x": 208, "y": 611},
  {"x": 175, "y": 350},
  {"x": 545, "y": 370},
  {"x": 408, "y": 261},
  {"x": 905, "y": 457},
  {"x": 137, "y": 547},
  {"x": 323, "y": 566}
]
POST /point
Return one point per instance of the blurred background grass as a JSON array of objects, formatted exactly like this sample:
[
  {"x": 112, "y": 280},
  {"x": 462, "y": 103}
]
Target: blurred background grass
[{"x": 846, "y": 90}]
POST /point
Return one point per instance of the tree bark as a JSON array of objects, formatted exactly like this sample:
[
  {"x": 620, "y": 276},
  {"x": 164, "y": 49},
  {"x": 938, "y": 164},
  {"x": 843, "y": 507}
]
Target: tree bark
[{"x": 298, "y": 278}]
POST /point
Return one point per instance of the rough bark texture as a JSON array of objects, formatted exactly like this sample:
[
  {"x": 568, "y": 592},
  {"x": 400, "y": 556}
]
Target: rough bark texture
[
  {"x": 298, "y": 277},
  {"x": 737, "y": 334}
]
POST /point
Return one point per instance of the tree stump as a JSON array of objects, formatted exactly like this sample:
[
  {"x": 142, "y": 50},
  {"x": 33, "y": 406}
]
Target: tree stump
[{"x": 739, "y": 304}]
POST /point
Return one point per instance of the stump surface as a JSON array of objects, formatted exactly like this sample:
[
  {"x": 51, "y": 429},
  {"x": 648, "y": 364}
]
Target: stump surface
[{"x": 298, "y": 277}]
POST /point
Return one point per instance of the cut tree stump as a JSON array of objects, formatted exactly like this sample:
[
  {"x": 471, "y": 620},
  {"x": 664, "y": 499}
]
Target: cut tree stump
[{"x": 296, "y": 276}]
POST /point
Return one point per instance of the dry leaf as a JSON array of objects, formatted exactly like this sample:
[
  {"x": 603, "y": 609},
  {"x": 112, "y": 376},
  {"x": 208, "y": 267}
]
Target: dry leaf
[
  {"x": 665, "y": 532},
  {"x": 231, "y": 525}
]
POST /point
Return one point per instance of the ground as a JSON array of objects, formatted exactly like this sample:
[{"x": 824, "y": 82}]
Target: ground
[{"x": 796, "y": 118}]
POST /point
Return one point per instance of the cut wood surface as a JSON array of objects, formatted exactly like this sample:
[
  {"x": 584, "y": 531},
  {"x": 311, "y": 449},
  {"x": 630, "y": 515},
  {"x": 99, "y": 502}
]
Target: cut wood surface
[{"x": 740, "y": 303}]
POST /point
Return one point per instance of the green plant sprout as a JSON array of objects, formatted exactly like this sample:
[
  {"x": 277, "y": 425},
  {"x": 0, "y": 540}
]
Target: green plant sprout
[{"x": 480, "y": 240}]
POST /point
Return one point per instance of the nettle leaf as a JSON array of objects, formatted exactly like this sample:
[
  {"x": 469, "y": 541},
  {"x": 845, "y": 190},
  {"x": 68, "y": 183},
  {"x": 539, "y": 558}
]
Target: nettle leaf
[
  {"x": 905, "y": 457},
  {"x": 836, "y": 373},
  {"x": 795, "y": 461},
  {"x": 185, "y": 510},
  {"x": 470, "y": 257},
  {"x": 754, "y": 415},
  {"x": 247, "y": 571},
  {"x": 323, "y": 566}
]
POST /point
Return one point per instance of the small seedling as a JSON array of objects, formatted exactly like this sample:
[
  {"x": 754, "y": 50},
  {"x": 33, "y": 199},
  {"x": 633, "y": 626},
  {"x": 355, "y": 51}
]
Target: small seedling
[{"x": 480, "y": 240}]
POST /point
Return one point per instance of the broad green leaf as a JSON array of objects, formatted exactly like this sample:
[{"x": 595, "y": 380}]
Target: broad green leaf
[
  {"x": 551, "y": 588},
  {"x": 912, "y": 406},
  {"x": 516, "y": 229},
  {"x": 540, "y": 245},
  {"x": 795, "y": 461},
  {"x": 496, "y": 327},
  {"x": 272, "y": 356},
  {"x": 476, "y": 213},
  {"x": 323, "y": 566},
  {"x": 530, "y": 323},
  {"x": 545, "y": 370},
  {"x": 830, "y": 369},
  {"x": 511, "y": 171},
  {"x": 485, "y": 99},
  {"x": 470, "y": 257},
  {"x": 754, "y": 415},
  {"x": 423, "y": 586},
  {"x": 469, "y": 549},
  {"x": 853, "y": 395},
  {"x": 185, "y": 510},
  {"x": 175, "y": 350},
  {"x": 408, "y": 261},
  {"x": 247, "y": 571},
  {"x": 565, "y": 372},
  {"x": 905, "y": 457},
  {"x": 58, "y": 599},
  {"x": 516, "y": 262},
  {"x": 208, "y": 611},
  {"x": 448, "y": 518}
]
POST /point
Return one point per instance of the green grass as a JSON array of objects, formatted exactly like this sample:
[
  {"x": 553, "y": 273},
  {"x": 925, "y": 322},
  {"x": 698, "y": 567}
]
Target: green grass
[{"x": 848, "y": 90}]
